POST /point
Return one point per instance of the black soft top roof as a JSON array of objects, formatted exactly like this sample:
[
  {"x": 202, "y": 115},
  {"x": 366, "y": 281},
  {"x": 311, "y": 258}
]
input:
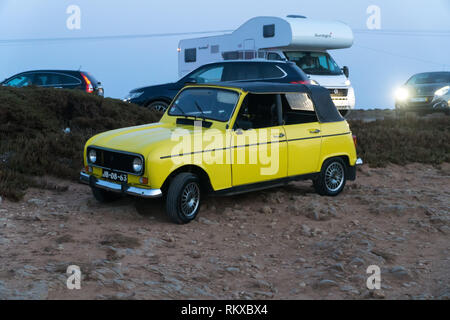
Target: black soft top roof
[{"x": 325, "y": 108}]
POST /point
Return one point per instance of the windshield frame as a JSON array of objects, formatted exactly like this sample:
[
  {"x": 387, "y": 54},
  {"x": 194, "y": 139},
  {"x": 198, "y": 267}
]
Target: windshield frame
[
  {"x": 329, "y": 58},
  {"x": 202, "y": 116}
]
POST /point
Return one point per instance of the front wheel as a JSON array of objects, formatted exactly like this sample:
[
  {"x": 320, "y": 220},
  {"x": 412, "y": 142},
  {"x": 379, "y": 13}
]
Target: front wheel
[
  {"x": 158, "y": 106},
  {"x": 183, "y": 198},
  {"x": 332, "y": 178}
]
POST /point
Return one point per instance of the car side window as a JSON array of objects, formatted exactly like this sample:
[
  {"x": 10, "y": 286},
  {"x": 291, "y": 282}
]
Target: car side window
[
  {"x": 271, "y": 71},
  {"x": 257, "y": 111},
  {"x": 20, "y": 81},
  {"x": 207, "y": 75},
  {"x": 298, "y": 108}
]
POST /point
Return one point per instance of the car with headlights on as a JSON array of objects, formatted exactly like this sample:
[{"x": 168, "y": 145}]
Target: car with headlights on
[
  {"x": 425, "y": 93},
  {"x": 225, "y": 139}
]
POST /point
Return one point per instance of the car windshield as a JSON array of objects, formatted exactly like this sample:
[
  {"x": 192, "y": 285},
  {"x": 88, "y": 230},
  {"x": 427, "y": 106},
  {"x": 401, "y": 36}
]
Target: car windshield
[
  {"x": 208, "y": 103},
  {"x": 317, "y": 63},
  {"x": 430, "y": 78}
]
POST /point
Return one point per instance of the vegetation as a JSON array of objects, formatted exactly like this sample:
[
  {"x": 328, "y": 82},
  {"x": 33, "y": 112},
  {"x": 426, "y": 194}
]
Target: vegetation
[
  {"x": 33, "y": 138},
  {"x": 34, "y": 143}
]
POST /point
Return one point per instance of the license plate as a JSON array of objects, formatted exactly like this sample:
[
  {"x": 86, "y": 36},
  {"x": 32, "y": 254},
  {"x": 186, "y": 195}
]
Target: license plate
[
  {"x": 115, "y": 176},
  {"x": 418, "y": 99}
]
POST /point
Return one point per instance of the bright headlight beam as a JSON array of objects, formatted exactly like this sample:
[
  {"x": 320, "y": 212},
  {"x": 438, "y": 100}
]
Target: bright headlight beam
[{"x": 401, "y": 94}]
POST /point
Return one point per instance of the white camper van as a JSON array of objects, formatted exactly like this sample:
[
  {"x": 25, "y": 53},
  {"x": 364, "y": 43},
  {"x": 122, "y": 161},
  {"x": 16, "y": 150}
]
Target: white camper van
[{"x": 295, "y": 38}]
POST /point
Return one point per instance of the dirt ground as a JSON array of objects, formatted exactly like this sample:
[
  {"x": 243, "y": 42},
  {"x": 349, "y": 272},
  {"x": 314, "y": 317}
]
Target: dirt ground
[{"x": 283, "y": 243}]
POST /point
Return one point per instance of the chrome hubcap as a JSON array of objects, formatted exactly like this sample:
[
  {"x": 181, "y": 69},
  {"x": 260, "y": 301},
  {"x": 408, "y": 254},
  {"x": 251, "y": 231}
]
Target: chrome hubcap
[
  {"x": 190, "y": 199},
  {"x": 159, "y": 107},
  {"x": 334, "y": 176}
]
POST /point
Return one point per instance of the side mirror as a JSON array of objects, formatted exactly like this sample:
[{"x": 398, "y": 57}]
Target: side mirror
[{"x": 346, "y": 71}]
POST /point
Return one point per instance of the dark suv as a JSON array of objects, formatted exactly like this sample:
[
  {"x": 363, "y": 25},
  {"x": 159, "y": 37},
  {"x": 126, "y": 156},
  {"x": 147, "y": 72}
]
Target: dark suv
[
  {"x": 65, "y": 79},
  {"x": 158, "y": 97}
]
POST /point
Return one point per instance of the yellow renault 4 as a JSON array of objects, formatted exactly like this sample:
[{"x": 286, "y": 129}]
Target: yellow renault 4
[{"x": 225, "y": 138}]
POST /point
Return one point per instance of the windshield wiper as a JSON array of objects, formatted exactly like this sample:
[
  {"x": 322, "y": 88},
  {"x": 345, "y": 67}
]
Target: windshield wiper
[
  {"x": 200, "y": 109},
  {"x": 179, "y": 108}
]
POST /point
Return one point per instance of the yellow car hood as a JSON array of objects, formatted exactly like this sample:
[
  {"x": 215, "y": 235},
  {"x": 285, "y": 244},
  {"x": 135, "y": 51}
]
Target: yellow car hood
[{"x": 140, "y": 139}]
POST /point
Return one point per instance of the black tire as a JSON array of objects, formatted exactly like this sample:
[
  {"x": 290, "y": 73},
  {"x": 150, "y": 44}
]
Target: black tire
[
  {"x": 104, "y": 196},
  {"x": 333, "y": 173},
  {"x": 183, "y": 198},
  {"x": 158, "y": 106}
]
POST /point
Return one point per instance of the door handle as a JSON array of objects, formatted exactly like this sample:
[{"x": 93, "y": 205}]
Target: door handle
[
  {"x": 314, "y": 131},
  {"x": 281, "y": 135}
]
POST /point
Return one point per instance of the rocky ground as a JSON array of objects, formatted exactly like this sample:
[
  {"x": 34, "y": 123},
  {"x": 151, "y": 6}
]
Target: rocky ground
[{"x": 284, "y": 243}]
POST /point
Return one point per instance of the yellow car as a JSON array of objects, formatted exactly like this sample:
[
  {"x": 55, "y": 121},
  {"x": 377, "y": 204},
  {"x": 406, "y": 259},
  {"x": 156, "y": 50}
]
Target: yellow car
[{"x": 225, "y": 139}]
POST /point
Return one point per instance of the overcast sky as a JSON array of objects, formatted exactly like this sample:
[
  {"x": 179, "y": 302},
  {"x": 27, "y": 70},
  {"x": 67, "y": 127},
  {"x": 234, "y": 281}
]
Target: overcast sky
[{"x": 378, "y": 61}]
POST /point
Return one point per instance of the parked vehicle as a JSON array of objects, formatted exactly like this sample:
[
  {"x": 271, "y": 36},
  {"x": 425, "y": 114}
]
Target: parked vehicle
[
  {"x": 295, "y": 38},
  {"x": 425, "y": 92},
  {"x": 65, "y": 79},
  {"x": 158, "y": 97},
  {"x": 225, "y": 138}
]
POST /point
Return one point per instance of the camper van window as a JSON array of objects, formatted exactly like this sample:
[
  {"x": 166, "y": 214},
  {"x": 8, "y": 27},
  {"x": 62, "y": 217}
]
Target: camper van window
[
  {"x": 273, "y": 56},
  {"x": 249, "y": 55},
  {"x": 269, "y": 31},
  {"x": 230, "y": 55},
  {"x": 215, "y": 49},
  {"x": 190, "y": 55},
  {"x": 318, "y": 63}
]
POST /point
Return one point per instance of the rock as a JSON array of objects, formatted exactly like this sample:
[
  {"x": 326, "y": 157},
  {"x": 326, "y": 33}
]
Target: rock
[
  {"x": 266, "y": 210},
  {"x": 377, "y": 294},
  {"x": 357, "y": 262},
  {"x": 206, "y": 221},
  {"x": 306, "y": 231},
  {"x": 400, "y": 272},
  {"x": 36, "y": 202},
  {"x": 195, "y": 254},
  {"x": 338, "y": 267},
  {"x": 233, "y": 270},
  {"x": 326, "y": 283}
]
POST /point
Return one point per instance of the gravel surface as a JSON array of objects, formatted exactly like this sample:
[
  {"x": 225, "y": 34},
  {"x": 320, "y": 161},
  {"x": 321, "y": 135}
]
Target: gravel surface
[{"x": 283, "y": 243}]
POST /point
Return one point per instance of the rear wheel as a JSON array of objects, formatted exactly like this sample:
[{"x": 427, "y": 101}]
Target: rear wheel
[
  {"x": 332, "y": 178},
  {"x": 104, "y": 196},
  {"x": 183, "y": 198},
  {"x": 158, "y": 106}
]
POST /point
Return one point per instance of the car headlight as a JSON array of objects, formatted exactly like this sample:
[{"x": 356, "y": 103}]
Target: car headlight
[
  {"x": 137, "y": 165},
  {"x": 402, "y": 94},
  {"x": 133, "y": 95},
  {"x": 442, "y": 91},
  {"x": 92, "y": 156}
]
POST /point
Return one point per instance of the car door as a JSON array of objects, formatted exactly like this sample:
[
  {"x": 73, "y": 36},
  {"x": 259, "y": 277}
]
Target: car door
[
  {"x": 303, "y": 133},
  {"x": 258, "y": 143}
]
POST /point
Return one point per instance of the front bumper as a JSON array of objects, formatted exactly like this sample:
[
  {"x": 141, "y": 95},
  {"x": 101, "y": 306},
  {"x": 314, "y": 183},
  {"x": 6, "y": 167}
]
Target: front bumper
[
  {"x": 431, "y": 104},
  {"x": 119, "y": 188}
]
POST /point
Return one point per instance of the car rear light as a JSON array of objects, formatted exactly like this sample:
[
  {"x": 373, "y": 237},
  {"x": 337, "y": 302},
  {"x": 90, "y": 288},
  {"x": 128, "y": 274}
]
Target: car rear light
[
  {"x": 355, "y": 141},
  {"x": 301, "y": 82},
  {"x": 89, "y": 87}
]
